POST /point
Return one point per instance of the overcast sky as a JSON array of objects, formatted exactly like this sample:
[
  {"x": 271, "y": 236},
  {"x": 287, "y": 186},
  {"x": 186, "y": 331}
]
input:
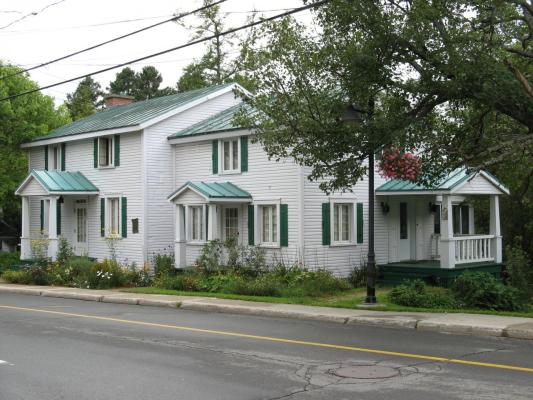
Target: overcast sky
[{"x": 71, "y": 25}]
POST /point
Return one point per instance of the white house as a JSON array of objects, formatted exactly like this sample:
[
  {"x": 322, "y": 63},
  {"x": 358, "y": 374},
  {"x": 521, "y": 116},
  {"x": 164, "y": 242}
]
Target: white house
[{"x": 175, "y": 172}]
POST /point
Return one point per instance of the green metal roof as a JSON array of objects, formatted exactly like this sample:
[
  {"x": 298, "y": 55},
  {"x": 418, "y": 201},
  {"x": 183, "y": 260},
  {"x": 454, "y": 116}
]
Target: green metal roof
[
  {"x": 221, "y": 122},
  {"x": 447, "y": 183},
  {"x": 64, "y": 181},
  {"x": 214, "y": 190},
  {"x": 130, "y": 114}
]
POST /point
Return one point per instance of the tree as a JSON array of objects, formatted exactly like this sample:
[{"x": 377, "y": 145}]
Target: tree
[
  {"x": 429, "y": 74},
  {"x": 141, "y": 85},
  {"x": 216, "y": 66},
  {"x": 86, "y": 100},
  {"x": 21, "y": 119},
  {"x": 125, "y": 83}
]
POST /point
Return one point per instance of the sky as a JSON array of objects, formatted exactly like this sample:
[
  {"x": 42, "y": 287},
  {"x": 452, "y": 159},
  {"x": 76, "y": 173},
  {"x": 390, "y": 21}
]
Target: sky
[{"x": 65, "y": 26}]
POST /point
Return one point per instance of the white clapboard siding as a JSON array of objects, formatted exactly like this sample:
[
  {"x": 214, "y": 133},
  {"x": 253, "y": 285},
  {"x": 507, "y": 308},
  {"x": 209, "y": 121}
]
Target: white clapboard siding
[
  {"x": 478, "y": 185},
  {"x": 160, "y": 169},
  {"x": 265, "y": 180},
  {"x": 341, "y": 259},
  {"x": 36, "y": 161}
]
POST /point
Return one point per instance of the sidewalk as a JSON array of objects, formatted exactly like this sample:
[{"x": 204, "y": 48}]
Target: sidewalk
[{"x": 458, "y": 323}]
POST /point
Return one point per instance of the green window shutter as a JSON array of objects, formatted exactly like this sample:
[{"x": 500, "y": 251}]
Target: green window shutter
[
  {"x": 42, "y": 215},
  {"x": 116, "y": 141},
  {"x": 102, "y": 217},
  {"x": 58, "y": 217},
  {"x": 214, "y": 156},
  {"x": 359, "y": 222},
  {"x": 124, "y": 216},
  {"x": 326, "y": 224},
  {"x": 284, "y": 225},
  {"x": 95, "y": 151},
  {"x": 46, "y": 158},
  {"x": 244, "y": 153},
  {"x": 63, "y": 156},
  {"x": 251, "y": 225}
]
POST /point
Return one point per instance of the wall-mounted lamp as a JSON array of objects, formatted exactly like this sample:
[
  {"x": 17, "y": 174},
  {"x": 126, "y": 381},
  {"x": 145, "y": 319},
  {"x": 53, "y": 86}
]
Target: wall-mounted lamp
[
  {"x": 432, "y": 207},
  {"x": 385, "y": 207}
]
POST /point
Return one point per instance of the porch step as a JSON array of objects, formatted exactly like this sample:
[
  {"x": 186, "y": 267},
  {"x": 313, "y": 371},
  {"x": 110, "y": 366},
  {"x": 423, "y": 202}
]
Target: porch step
[{"x": 396, "y": 273}]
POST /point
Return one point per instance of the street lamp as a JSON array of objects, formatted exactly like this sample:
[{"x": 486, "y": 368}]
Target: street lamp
[{"x": 354, "y": 114}]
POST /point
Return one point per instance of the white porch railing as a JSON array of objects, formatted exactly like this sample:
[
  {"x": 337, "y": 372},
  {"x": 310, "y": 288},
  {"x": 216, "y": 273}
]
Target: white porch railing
[{"x": 476, "y": 248}]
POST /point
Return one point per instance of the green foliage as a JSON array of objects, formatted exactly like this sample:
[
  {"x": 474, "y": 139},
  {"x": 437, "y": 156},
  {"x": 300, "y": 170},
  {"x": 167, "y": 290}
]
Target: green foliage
[
  {"x": 482, "y": 290},
  {"x": 164, "y": 264},
  {"x": 210, "y": 256},
  {"x": 141, "y": 85},
  {"x": 86, "y": 99},
  {"x": 23, "y": 276},
  {"x": 7, "y": 260},
  {"x": 64, "y": 250},
  {"x": 520, "y": 270},
  {"x": 417, "y": 294},
  {"x": 358, "y": 275}
]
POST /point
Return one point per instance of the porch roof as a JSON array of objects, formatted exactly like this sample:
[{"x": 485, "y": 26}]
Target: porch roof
[
  {"x": 59, "y": 182},
  {"x": 213, "y": 190},
  {"x": 450, "y": 183}
]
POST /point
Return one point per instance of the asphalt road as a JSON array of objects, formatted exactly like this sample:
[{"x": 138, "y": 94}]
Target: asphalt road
[{"x": 54, "y": 348}]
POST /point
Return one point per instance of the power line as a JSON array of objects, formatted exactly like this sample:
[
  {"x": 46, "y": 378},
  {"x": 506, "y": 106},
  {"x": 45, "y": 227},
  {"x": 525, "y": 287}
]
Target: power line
[
  {"x": 192, "y": 43},
  {"x": 31, "y": 14},
  {"x": 177, "y": 17}
]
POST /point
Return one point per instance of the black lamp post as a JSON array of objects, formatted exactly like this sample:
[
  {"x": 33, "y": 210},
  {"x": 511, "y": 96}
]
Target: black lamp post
[{"x": 354, "y": 114}]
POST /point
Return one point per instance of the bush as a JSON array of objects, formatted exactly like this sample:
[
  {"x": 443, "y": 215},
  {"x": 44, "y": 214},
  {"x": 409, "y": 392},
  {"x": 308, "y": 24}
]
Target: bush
[
  {"x": 358, "y": 276},
  {"x": 417, "y": 294},
  {"x": 64, "y": 250},
  {"x": 23, "y": 276},
  {"x": 482, "y": 290},
  {"x": 519, "y": 270},
  {"x": 7, "y": 260},
  {"x": 164, "y": 264}
]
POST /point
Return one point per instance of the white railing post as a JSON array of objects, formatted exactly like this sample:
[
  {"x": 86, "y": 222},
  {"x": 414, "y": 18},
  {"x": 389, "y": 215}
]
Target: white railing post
[
  {"x": 496, "y": 247},
  {"x": 25, "y": 247},
  {"x": 448, "y": 245},
  {"x": 180, "y": 259},
  {"x": 212, "y": 226},
  {"x": 52, "y": 228}
]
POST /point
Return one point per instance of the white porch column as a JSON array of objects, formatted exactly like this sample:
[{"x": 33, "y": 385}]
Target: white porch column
[
  {"x": 447, "y": 249},
  {"x": 180, "y": 259},
  {"x": 52, "y": 228},
  {"x": 212, "y": 222},
  {"x": 25, "y": 248},
  {"x": 496, "y": 247}
]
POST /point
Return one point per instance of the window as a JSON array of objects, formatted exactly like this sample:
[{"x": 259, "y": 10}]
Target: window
[
  {"x": 461, "y": 219},
  {"x": 231, "y": 222},
  {"x": 268, "y": 215},
  {"x": 113, "y": 222},
  {"x": 342, "y": 222},
  {"x": 230, "y": 155},
  {"x": 197, "y": 223},
  {"x": 105, "y": 152},
  {"x": 54, "y": 154}
]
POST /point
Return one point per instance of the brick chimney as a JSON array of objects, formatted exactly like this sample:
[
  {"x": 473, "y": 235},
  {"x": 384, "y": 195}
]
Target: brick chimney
[{"x": 112, "y": 100}]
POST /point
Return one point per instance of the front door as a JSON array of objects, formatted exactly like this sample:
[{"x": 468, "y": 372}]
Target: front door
[
  {"x": 404, "y": 248},
  {"x": 80, "y": 243}
]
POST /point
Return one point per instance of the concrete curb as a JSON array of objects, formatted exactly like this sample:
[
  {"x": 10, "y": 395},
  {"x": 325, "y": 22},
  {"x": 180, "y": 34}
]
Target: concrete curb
[{"x": 458, "y": 323}]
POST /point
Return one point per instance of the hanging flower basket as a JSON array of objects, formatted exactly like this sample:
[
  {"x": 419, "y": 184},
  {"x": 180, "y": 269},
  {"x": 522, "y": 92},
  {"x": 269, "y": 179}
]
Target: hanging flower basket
[{"x": 397, "y": 165}]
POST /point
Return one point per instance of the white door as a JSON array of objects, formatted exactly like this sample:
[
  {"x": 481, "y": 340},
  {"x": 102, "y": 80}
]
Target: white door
[
  {"x": 404, "y": 248},
  {"x": 80, "y": 240}
]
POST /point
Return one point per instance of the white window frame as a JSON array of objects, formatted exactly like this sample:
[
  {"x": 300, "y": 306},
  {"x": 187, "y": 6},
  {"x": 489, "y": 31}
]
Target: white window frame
[
  {"x": 221, "y": 169},
  {"x": 351, "y": 219},
  {"x": 54, "y": 158},
  {"x": 108, "y": 219},
  {"x": 189, "y": 221},
  {"x": 110, "y": 151},
  {"x": 223, "y": 225},
  {"x": 259, "y": 222},
  {"x": 46, "y": 217}
]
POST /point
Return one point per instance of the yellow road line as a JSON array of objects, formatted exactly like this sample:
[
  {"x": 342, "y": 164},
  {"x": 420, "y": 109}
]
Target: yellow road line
[{"x": 278, "y": 340}]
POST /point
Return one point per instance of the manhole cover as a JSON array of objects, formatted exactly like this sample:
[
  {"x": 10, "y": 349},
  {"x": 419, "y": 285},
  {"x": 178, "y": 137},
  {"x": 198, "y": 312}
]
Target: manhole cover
[{"x": 366, "y": 372}]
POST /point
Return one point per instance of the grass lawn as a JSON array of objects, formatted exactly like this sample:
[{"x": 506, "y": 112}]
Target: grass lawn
[{"x": 349, "y": 299}]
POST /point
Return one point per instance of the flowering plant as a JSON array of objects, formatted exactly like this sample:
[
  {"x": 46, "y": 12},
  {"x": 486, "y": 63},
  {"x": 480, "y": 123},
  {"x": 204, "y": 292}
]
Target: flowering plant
[{"x": 397, "y": 165}]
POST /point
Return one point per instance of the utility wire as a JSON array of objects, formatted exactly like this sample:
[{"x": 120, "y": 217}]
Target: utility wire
[
  {"x": 31, "y": 14},
  {"x": 175, "y": 18},
  {"x": 192, "y": 43}
]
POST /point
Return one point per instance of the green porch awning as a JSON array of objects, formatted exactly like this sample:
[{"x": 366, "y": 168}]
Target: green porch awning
[
  {"x": 59, "y": 182},
  {"x": 213, "y": 190}
]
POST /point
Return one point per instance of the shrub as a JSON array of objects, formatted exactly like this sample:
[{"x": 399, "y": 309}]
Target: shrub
[
  {"x": 64, "y": 250},
  {"x": 23, "y": 276},
  {"x": 210, "y": 256},
  {"x": 520, "y": 270},
  {"x": 164, "y": 264},
  {"x": 7, "y": 260},
  {"x": 417, "y": 294},
  {"x": 482, "y": 290},
  {"x": 358, "y": 275}
]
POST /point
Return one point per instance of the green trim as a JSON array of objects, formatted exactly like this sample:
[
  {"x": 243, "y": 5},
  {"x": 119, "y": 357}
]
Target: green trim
[
  {"x": 284, "y": 225},
  {"x": 116, "y": 143},
  {"x": 251, "y": 227},
  {"x": 244, "y": 153},
  {"x": 46, "y": 158},
  {"x": 95, "y": 152},
  {"x": 124, "y": 216},
  {"x": 58, "y": 217},
  {"x": 214, "y": 156},
  {"x": 42, "y": 215},
  {"x": 360, "y": 223},
  {"x": 102, "y": 217},
  {"x": 63, "y": 156},
  {"x": 213, "y": 190},
  {"x": 326, "y": 224}
]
